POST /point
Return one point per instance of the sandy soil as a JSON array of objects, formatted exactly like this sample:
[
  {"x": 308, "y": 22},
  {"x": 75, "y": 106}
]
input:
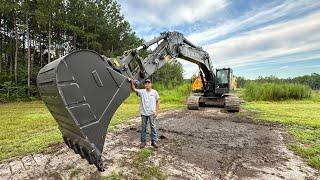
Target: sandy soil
[{"x": 204, "y": 144}]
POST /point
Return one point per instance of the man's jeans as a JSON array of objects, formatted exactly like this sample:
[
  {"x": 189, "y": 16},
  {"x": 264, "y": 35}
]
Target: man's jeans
[{"x": 144, "y": 124}]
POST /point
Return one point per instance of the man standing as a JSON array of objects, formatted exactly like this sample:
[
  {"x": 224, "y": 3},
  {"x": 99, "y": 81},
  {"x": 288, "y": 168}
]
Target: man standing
[{"x": 149, "y": 109}]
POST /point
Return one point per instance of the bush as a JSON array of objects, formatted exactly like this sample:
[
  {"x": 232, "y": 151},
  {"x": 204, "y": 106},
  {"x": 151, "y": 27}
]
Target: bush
[
  {"x": 11, "y": 92},
  {"x": 174, "y": 95},
  {"x": 177, "y": 94},
  {"x": 275, "y": 92},
  {"x": 170, "y": 75}
]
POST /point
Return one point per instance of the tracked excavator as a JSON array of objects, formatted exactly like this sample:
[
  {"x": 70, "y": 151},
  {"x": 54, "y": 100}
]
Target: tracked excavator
[{"x": 83, "y": 89}]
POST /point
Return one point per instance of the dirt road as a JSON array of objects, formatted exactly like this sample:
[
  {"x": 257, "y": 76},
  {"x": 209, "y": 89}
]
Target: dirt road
[{"x": 205, "y": 144}]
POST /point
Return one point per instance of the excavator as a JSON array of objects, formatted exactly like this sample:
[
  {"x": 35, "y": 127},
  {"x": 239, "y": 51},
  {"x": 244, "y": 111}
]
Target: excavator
[
  {"x": 83, "y": 89},
  {"x": 197, "y": 89}
]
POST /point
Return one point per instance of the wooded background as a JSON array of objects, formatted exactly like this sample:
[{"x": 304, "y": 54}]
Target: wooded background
[
  {"x": 36, "y": 32},
  {"x": 312, "y": 80}
]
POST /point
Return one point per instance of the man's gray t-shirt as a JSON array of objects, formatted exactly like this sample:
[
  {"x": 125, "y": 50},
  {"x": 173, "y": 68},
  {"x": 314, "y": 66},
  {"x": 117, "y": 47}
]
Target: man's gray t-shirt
[{"x": 148, "y": 101}]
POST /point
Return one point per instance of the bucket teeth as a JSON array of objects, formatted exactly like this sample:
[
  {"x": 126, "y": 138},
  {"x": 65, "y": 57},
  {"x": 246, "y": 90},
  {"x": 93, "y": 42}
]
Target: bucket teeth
[
  {"x": 74, "y": 147},
  {"x": 99, "y": 165},
  {"x": 68, "y": 142},
  {"x": 90, "y": 159},
  {"x": 77, "y": 147},
  {"x": 81, "y": 150},
  {"x": 96, "y": 161},
  {"x": 91, "y": 156}
]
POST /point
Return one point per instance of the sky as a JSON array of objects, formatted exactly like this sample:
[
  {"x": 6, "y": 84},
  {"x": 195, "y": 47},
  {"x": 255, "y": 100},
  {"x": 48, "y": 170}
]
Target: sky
[{"x": 253, "y": 37}]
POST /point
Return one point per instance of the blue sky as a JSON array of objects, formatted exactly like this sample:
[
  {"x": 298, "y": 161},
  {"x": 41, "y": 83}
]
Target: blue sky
[{"x": 254, "y": 37}]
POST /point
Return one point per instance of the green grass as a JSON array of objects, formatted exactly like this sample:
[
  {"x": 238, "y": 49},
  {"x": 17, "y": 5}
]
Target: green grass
[
  {"x": 28, "y": 127},
  {"x": 74, "y": 172},
  {"x": 302, "y": 117},
  {"x": 145, "y": 169},
  {"x": 112, "y": 176},
  {"x": 254, "y": 91}
]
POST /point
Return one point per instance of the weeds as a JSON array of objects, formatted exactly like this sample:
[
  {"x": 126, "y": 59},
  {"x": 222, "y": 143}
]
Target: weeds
[
  {"x": 74, "y": 172},
  {"x": 145, "y": 169},
  {"x": 275, "y": 92},
  {"x": 113, "y": 176},
  {"x": 141, "y": 157}
]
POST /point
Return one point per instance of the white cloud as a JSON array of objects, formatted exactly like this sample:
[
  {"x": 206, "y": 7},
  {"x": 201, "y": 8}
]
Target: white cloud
[
  {"x": 168, "y": 13},
  {"x": 254, "y": 18},
  {"x": 295, "y": 36},
  {"x": 188, "y": 68},
  {"x": 284, "y": 67}
]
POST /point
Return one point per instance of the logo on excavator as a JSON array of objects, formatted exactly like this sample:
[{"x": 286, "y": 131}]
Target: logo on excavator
[
  {"x": 116, "y": 62},
  {"x": 167, "y": 57}
]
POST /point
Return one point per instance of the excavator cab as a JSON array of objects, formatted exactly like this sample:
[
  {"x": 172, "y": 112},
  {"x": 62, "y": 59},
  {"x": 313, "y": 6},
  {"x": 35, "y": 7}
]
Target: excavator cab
[{"x": 223, "y": 80}]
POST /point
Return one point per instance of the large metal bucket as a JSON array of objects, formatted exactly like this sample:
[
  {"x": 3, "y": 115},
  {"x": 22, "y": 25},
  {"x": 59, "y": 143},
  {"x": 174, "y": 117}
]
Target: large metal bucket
[{"x": 82, "y": 92}]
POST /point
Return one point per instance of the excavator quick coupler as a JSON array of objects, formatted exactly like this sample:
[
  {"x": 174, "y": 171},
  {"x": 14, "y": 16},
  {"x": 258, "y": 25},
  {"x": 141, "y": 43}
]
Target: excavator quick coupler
[{"x": 82, "y": 92}]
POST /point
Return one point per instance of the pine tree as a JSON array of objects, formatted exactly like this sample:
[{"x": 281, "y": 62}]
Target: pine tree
[{"x": 34, "y": 33}]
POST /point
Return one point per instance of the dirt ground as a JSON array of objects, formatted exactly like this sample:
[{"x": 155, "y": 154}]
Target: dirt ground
[{"x": 205, "y": 144}]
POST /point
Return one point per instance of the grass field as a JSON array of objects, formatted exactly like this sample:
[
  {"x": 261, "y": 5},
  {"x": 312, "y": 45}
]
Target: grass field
[
  {"x": 28, "y": 127},
  {"x": 255, "y": 91},
  {"x": 302, "y": 117}
]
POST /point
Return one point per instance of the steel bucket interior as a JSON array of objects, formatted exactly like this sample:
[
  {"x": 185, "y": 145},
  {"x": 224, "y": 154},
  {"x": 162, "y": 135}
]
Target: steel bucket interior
[{"x": 82, "y": 92}]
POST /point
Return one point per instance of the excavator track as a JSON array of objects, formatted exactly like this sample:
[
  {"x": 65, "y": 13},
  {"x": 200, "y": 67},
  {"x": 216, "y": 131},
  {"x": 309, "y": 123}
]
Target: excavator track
[
  {"x": 232, "y": 103},
  {"x": 193, "y": 102}
]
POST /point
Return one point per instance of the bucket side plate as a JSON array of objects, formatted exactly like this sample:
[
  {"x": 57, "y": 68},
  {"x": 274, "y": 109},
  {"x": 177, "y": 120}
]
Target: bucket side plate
[{"x": 82, "y": 92}]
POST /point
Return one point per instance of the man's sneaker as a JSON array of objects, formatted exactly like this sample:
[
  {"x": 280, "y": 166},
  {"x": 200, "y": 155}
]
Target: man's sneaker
[
  {"x": 142, "y": 145},
  {"x": 154, "y": 145}
]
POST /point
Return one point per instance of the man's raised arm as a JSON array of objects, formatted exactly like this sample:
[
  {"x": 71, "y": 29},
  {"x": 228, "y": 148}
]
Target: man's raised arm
[{"x": 133, "y": 87}]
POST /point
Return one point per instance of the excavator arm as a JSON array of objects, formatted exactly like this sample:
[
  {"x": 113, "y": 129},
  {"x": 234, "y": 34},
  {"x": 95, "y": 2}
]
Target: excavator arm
[
  {"x": 83, "y": 89},
  {"x": 169, "y": 45}
]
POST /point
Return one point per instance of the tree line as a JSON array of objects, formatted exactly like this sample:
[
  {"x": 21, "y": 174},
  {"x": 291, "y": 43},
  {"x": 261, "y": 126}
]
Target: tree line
[
  {"x": 36, "y": 32},
  {"x": 170, "y": 75},
  {"x": 312, "y": 80}
]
